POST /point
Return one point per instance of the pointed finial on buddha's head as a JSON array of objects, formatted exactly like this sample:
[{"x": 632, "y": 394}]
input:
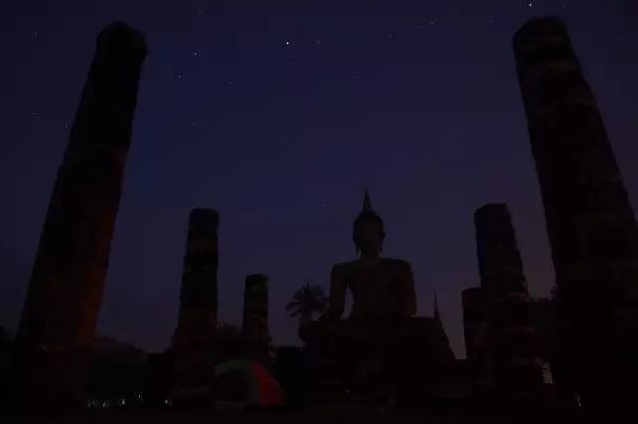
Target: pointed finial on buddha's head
[
  {"x": 367, "y": 229},
  {"x": 367, "y": 204}
]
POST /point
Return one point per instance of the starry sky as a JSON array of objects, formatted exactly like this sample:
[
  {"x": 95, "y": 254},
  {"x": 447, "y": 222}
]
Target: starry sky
[{"x": 279, "y": 114}]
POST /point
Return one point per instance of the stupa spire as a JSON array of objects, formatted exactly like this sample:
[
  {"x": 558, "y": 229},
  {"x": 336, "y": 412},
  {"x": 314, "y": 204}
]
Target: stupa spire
[{"x": 367, "y": 205}]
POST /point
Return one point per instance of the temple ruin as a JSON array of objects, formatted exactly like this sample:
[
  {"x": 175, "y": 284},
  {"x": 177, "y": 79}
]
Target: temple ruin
[{"x": 59, "y": 316}]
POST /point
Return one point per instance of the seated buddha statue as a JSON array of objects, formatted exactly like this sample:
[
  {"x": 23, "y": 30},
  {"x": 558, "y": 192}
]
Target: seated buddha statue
[
  {"x": 380, "y": 336},
  {"x": 381, "y": 288}
]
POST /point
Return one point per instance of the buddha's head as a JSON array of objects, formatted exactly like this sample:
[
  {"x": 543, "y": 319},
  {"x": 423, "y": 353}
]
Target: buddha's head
[{"x": 367, "y": 230}]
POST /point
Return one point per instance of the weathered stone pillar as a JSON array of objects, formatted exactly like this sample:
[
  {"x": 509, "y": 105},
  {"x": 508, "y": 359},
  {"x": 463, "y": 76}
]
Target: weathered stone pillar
[
  {"x": 59, "y": 317},
  {"x": 255, "y": 320},
  {"x": 198, "y": 300},
  {"x": 592, "y": 228},
  {"x": 475, "y": 313},
  {"x": 193, "y": 343},
  {"x": 513, "y": 346}
]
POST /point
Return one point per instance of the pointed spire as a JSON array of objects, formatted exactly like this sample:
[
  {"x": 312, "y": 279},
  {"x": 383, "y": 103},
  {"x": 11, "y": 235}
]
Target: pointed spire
[
  {"x": 437, "y": 315},
  {"x": 367, "y": 205}
]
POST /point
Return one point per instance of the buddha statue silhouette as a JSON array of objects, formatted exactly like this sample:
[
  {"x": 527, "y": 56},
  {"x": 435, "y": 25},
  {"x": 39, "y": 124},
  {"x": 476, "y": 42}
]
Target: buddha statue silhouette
[
  {"x": 380, "y": 287},
  {"x": 381, "y": 345}
]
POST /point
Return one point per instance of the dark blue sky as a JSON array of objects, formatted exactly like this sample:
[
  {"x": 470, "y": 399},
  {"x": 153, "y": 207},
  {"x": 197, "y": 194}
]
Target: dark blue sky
[{"x": 279, "y": 116}]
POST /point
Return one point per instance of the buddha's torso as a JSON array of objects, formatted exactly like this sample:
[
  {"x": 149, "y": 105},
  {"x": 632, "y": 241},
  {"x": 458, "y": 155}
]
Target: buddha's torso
[{"x": 382, "y": 288}]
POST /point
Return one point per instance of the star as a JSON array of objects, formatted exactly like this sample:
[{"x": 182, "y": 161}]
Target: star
[
  {"x": 35, "y": 34},
  {"x": 178, "y": 76},
  {"x": 529, "y": 4},
  {"x": 323, "y": 205},
  {"x": 194, "y": 52},
  {"x": 318, "y": 42},
  {"x": 287, "y": 43}
]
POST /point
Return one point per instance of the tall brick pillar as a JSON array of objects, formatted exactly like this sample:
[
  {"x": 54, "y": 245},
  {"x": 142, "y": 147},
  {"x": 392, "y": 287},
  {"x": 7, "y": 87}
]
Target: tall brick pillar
[
  {"x": 513, "y": 346},
  {"x": 475, "y": 313},
  {"x": 198, "y": 300},
  {"x": 255, "y": 320},
  {"x": 592, "y": 228},
  {"x": 63, "y": 300},
  {"x": 193, "y": 341}
]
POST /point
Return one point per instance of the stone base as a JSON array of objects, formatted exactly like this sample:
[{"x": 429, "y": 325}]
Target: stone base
[{"x": 374, "y": 359}]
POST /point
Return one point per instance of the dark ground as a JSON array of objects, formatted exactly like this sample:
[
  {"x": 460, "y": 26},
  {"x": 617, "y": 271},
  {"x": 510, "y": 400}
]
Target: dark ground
[{"x": 325, "y": 414}]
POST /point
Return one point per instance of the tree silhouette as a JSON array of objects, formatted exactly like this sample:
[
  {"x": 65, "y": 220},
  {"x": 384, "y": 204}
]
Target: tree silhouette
[
  {"x": 228, "y": 330},
  {"x": 306, "y": 301}
]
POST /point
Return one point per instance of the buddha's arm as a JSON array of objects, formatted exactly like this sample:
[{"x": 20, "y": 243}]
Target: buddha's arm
[
  {"x": 337, "y": 294},
  {"x": 409, "y": 295}
]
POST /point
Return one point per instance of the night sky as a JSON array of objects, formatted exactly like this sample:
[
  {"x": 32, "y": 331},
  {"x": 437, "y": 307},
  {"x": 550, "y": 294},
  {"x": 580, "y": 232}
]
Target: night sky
[{"x": 279, "y": 117}]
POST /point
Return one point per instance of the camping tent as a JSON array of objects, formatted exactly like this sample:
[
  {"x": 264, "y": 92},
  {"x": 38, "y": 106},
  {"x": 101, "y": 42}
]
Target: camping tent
[{"x": 259, "y": 388}]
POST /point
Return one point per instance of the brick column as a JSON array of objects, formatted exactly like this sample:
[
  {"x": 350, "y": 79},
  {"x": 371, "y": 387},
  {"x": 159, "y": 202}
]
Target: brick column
[
  {"x": 591, "y": 225},
  {"x": 513, "y": 346},
  {"x": 255, "y": 322},
  {"x": 63, "y": 300},
  {"x": 198, "y": 300}
]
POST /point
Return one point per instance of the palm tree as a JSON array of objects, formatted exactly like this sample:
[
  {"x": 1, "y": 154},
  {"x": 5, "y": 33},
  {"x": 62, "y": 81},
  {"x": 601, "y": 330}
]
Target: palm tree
[{"x": 306, "y": 301}]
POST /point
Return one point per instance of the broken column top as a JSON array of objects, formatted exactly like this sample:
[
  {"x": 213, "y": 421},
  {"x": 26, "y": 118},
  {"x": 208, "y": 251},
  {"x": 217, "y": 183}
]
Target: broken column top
[
  {"x": 119, "y": 41},
  {"x": 256, "y": 279},
  {"x": 200, "y": 217},
  {"x": 543, "y": 27},
  {"x": 495, "y": 217},
  {"x": 500, "y": 263},
  {"x": 544, "y": 40}
]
